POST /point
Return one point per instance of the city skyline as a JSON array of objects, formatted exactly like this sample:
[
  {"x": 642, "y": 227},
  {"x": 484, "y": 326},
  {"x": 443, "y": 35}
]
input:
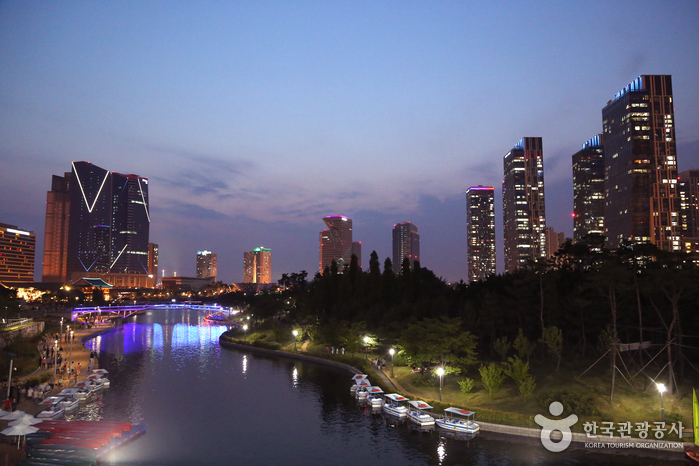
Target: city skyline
[{"x": 251, "y": 122}]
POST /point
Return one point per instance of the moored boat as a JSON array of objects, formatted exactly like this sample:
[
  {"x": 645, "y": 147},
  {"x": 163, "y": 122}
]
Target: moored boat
[
  {"x": 393, "y": 405},
  {"x": 375, "y": 397},
  {"x": 456, "y": 424},
  {"x": 418, "y": 415},
  {"x": 51, "y": 412}
]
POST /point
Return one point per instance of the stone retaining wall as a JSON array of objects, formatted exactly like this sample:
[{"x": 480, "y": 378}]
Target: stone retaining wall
[{"x": 28, "y": 331}]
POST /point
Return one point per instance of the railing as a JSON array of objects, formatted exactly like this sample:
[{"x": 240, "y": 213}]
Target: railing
[
  {"x": 11, "y": 324},
  {"x": 126, "y": 311}
]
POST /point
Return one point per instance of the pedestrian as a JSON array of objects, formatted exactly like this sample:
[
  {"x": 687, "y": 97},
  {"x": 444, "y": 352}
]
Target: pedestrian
[
  {"x": 343, "y": 350},
  {"x": 72, "y": 367},
  {"x": 43, "y": 363},
  {"x": 22, "y": 393},
  {"x": 30, "y": 394},
  {"x": 89, "y": 367},
  {"x": 79, "y": 368},
  {"x": 7, "y": 406}
]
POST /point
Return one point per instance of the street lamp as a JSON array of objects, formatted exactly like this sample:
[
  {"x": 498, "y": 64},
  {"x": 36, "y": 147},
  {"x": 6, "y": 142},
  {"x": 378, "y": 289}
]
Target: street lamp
[
  {"x": 245, "y": 329},
  {"x": 70, "y": 336},
  {"x": 296, "y": 334},
  {"x": 391, "y": 352},
  {"x": 61, "y": 337},
  {"x": 366, "y": 342},
  {"x": 55, "y": 357},
  {"x": 440, "y": 373},
  {"x": 661, "y": 389}
]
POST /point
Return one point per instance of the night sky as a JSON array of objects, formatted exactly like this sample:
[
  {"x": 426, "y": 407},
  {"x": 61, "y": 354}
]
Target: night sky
[{"x": 253, "y": 120}]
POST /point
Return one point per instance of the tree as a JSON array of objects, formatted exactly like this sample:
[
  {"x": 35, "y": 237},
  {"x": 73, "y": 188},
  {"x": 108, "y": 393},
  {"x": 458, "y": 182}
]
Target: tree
[
  {"x": 501, "y": 347},
  {"x": 553, "y": 337},
  {"x": 439, "y": 341},
  {"x": 524, "y": 347},
  {"x": 491, "y": 376},
  {"x": 516, "y": 369}
]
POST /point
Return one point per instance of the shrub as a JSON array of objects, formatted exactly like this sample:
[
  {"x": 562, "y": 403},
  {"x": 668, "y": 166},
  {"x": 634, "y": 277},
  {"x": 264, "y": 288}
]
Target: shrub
[
  {"x": 401, "y": 359},
  {"x": 491, "y": 376},
  {"x": 516, "y": 369},
  {"x": 423, "y": 379},
  {"x": 573, "y": 402},
  {"x": 466, "y": 385},
  {"x": 501, "y": 347},
  {"x": 527, "y": 386}
]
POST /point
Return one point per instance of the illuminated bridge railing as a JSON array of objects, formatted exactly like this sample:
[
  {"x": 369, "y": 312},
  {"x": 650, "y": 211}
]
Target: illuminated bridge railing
[{"x": 126, "y": 311}]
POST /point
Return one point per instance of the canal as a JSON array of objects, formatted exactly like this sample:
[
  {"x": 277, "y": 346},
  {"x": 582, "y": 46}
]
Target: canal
[{"x": 206, "y": 405}]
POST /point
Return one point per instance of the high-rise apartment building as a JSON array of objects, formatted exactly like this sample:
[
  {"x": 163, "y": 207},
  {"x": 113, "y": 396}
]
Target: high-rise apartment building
[
  {"x": 588, "y": 189},
  {"x": 257, "y": 266},
  {"x": 97, "y": 225},
  {"x": 554, "y": 241},
  {"x": 153, "y": 253},
  {"x": 336, "y": 243},
  {"x": 406, "y": 243},
  {"x": 524, "y": 206},
  {"x": 642, "y": 196},
  {"x": 17, "y": 249},
  {"x": 480, "y": 228},
  {"x": 688, "y": 186},
  {"x": 206, "y": 264}
]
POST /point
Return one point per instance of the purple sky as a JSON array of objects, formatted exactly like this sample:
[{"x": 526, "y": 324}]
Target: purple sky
[{"x": 253, "y": 120}]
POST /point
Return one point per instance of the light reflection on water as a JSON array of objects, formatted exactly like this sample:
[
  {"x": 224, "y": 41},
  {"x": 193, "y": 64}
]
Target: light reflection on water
[{"x": 207, "y": 405}]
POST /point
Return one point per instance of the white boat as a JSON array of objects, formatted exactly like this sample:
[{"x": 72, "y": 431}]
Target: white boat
[
  {"x": 52, "y": 412},
  {"x": 91, "y": 385},
  {"x": 418, "y": 415},
  {"x": 393, "y": 405},
  {"x": 375, "y": 397},
  {"x": 99, "y": 378},
  {"x": 52, "y": 400},
  {"x": 359, "y": 383},
  {"x": 69, "y": 403},
  {"x": 100, "y": 371},
  {"x": 456, "y": 424}
]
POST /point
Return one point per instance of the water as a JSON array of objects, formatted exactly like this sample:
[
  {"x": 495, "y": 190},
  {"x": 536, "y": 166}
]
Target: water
[{"x": 205, "y": 405}]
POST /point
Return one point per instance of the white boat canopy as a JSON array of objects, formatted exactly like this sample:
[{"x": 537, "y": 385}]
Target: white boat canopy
[
  {"x": 362, "y": 383},
  {"x": 375, "y": 390},
  {"x": 100, "y": 371},
  {"x": 359, "y": 376},
  {"x": 52, "y": 400},
  {"x": 68, "y": 392},
  {"x": 396, "y": 397},
  {"x": 459, "y": 411},
  {"x": 420, "y": 404}
]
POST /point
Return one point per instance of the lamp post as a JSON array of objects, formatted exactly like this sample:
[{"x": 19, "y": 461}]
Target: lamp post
[
  {"x": 61, "y": 337},
  {"x": 55, "y": 357},
  {"x": 245, "y": 329},
  {"x": 366, "y": 342},
  {"x": 70, "y": 336},
  {"x": 296, "y": 334},
  {"x": 661, "y": 389},
  {"x": 391, "y": 352},
  {"x": 440, "y": 373}
]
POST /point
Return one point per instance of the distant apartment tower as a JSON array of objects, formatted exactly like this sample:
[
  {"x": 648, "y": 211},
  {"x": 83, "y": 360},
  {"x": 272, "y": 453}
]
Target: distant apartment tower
[
  {"x": 257, "y": 266},
  {"x": 642, "y": 195},
  {"x": 97, "y": 225},
  {"x": 554, "y": 241},
  {"x": 206, "y": 264},
  {"x": 524, "y": 207},
  {"x": 406, "y": 243},
  {"x": 336, "y": 243},
  {"x": 480, "y": 227},
  {"x": 17, "y": 249},
  {"x": 588, "y": 189},
  {"x": 153, "y": 253},
  {"x": 689, "y": 209}
]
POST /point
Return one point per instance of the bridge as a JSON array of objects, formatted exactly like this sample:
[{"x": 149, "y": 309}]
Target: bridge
[{"x": 128, "y": 311}]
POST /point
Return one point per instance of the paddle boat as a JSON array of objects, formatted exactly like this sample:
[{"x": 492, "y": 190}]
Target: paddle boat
[
  {"x": 99, "y": 378},
  {"x": 392, "y": 405},
  {"x": 458, "y": 425},
  {"x": 52, "y": 412},
  {"x": 69, "y": 403},
  {"x": 52, "y": 400},
  {"x": 375, "y": 397},
  {"x": 91, "y": 385},
  {"x": 359, "y": 384},
  {"x": 418, "y": 414}
]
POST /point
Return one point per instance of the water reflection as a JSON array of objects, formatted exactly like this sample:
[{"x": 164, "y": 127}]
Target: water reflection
[{"x": 441, "y": 451}]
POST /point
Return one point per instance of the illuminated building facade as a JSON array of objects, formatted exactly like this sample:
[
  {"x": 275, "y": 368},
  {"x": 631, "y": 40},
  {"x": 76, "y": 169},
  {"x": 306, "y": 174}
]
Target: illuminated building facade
[
  {"x": 689, "y": 209},
  {"x": 206, "y": 264},
  {"x": 336, "y": 243},
  {"x": 97, "y": 225},
  {"x": 153, "y": 253},
  {"x": 480, "y": 227},
  {"x": 17, "y": 249},
  {"x": 406, "y": 243},
  {"x": 524, "y": 206},
  {"x": 588, "y": 189},
  {"x": 257, "y": 266},
  {"x": 554, "y": 241},
  {"x": 642, "y": 202}
]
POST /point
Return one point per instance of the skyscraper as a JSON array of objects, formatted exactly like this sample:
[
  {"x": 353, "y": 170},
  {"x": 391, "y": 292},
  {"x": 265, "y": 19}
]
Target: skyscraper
[
  {"x": 257, "y": 266},
  {"x": 17, "y": 256},
  {"x": 554, "y": 241},
  {"x": 480, "y": 227},
  {"x": 406, "y": 243},
  {"x": 689, "y": 208},
  {"x": 588, "y": 189},
  {"x": 524, "y": 207},
  {"x": 336, "y": 243},
  {"x": 97, "y": 225},
  {"x": 153, "y": 253},
  {"x": 206, "y": 264},
  {"x": 640, "y": 154}
]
